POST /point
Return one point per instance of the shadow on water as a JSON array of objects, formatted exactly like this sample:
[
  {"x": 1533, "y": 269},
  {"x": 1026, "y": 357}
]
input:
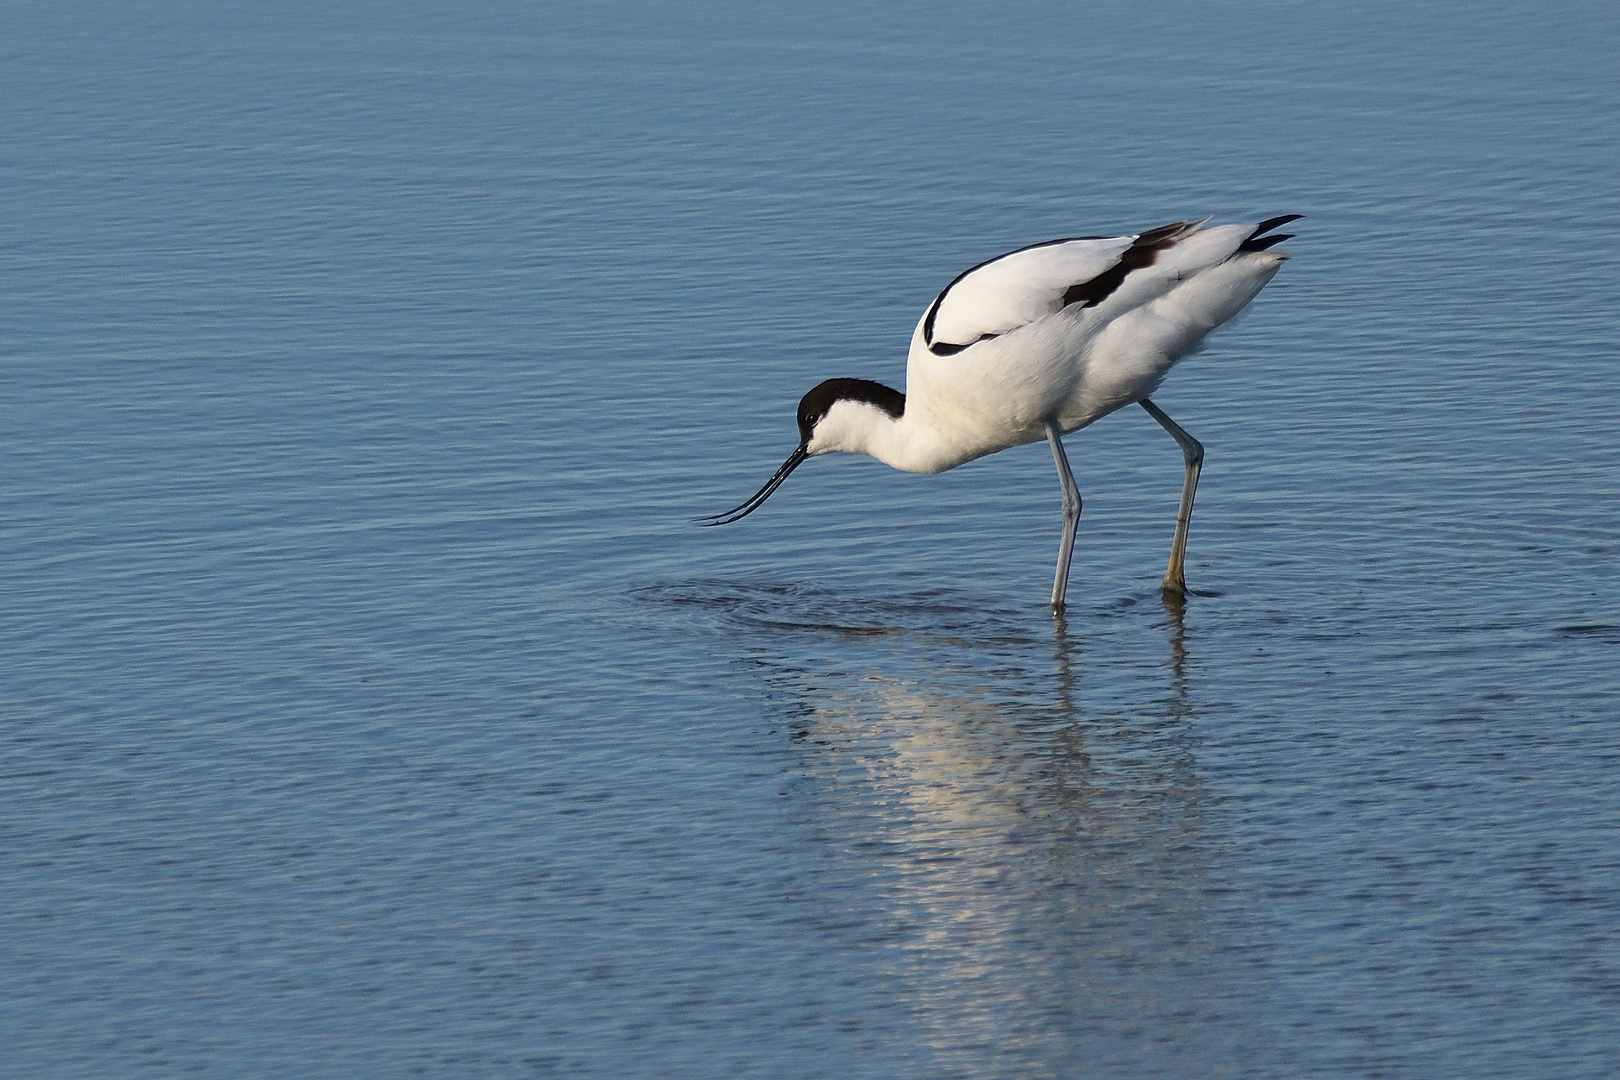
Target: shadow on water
[
  {"x": 767, "y": 610},
  {"x": 1014, "y": 807}
]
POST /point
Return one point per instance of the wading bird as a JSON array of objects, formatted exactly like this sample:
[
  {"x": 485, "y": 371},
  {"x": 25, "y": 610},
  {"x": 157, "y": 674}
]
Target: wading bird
[{"x": 1040, "y": 342}]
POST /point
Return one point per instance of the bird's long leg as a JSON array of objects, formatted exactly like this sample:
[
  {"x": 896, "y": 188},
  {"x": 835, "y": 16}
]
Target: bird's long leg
[
  {"x": 1071, "y": 515},
  {"x": 1192, "y": 450}
]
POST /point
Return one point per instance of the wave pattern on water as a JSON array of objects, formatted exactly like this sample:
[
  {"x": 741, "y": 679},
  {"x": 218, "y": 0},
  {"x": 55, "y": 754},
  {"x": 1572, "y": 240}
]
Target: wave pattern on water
[{"x": 370, "y": 706}]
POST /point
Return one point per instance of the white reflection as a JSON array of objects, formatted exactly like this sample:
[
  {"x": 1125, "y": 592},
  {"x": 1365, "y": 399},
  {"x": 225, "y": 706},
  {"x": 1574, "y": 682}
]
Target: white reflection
[{"x": 1041, "y": 878}]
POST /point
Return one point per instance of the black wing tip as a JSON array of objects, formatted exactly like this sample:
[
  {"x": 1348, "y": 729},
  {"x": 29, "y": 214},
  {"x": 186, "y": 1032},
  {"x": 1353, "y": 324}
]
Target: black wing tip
[
  {"x": 1259, "y": 242},
  {"x": 1265, "y": 242},
  {"x": 1271, "y": 223}
]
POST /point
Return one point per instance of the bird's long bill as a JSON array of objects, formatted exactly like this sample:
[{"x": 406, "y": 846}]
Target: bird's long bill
[{"x": 757, "y": 499}]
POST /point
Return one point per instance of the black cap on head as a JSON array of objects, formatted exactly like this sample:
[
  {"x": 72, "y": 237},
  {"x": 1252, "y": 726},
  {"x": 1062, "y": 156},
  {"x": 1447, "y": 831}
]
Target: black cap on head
[{"x": 814, "y": 405}]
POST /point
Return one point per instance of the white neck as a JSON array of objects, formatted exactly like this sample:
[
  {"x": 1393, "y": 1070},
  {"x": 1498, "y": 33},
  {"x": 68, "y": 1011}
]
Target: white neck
[{"x": 859, "y": 427}]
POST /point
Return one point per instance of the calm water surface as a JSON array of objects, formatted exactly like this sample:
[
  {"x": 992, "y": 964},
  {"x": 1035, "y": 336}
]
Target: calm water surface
[{"x": 370, "y": 708}]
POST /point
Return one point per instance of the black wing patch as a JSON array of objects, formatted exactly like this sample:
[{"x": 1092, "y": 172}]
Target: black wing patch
[
  {"x": 1144, "y": 250},
  {"x": 1142, "y": 253},
  {"x": 946, "y": 348}
]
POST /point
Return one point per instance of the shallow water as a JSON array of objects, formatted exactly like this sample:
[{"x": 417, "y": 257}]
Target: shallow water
[{"x": 372, "y": 708}]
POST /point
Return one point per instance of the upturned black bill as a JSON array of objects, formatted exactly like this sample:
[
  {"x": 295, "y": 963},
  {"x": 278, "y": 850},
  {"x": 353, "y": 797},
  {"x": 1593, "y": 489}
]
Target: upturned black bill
[{"x": 757, "y": 500}]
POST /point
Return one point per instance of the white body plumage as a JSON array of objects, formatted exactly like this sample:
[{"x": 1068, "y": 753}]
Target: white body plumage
[{"x": 1070, "y": 363}]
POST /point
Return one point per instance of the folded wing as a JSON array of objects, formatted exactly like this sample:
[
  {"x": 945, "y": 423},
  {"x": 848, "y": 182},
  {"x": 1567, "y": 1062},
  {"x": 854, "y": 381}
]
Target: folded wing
[
  {"x": 1015, "y": 289},
  {"x": 1022, "y": 286}
]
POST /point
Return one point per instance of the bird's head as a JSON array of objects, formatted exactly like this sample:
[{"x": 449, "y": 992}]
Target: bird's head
[{"x": 837, "y": 416}]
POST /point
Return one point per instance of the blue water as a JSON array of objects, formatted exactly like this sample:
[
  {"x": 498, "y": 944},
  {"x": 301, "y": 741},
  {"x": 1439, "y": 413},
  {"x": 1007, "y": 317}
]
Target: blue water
[{"x": 369, "y": 707}]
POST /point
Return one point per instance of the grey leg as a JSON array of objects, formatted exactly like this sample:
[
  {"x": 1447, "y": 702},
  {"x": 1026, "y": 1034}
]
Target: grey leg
[
  {"x": 1071, "y": 515},
  {"x": 1192, "y": 450}
]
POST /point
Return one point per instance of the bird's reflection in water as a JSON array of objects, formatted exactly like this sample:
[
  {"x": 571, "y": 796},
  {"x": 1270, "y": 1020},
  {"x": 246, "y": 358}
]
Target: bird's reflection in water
[
  {"x": 1175, "y": 610},
  {"x": 1037, "y": 845}
]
